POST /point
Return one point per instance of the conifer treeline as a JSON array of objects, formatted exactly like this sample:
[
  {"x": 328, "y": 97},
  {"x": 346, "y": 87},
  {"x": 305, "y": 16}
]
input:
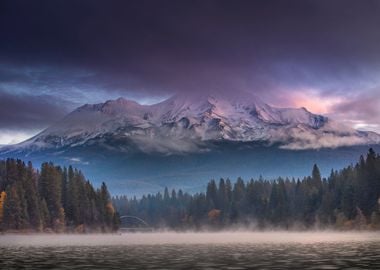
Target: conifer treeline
[
  {"x": 52, "y": 199},
  {"x": 347, "y": 199}
]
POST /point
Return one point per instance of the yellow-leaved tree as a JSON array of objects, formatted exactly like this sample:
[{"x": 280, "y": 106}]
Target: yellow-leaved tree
[{"x": 3, "y": 197}]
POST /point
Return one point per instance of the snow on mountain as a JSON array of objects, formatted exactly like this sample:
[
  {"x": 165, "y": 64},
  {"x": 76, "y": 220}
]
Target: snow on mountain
[{"x": 183, "y": 123}]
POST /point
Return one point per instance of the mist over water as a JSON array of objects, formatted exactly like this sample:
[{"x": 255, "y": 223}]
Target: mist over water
[
  {"x": 188, "y": 238},
  {"x": 204, "y": 250}
]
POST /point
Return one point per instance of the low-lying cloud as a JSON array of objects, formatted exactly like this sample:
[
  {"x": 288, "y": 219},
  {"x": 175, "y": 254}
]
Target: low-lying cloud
[
  {"x": 29, "y": 112},
  {"x": 361, "y": 110}
]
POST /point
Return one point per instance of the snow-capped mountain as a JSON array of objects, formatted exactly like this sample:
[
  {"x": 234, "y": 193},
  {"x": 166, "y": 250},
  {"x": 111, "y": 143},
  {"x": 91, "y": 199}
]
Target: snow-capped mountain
[
  {"x": 188, "y": 123},
  {"x": 183, "y": 142}
]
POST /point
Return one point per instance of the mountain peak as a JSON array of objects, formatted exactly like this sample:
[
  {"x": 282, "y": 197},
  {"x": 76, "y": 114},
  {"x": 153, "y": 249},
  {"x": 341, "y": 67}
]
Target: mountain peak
[
  {"x": 122, "y": 101},
  {"x": 213, "y": 98},
  {"x": 182, "y": 122}
]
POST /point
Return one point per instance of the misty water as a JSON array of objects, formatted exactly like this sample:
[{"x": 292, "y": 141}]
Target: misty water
[{"x": 227, "y": 250}]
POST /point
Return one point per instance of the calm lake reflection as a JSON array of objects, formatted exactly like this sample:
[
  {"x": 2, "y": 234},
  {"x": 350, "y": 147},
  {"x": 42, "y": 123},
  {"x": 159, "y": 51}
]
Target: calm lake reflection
[{"x": 192, "y": 251}]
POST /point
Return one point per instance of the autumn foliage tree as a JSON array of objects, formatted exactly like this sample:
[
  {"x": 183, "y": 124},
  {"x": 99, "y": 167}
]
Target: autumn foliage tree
[{"x": 3, "y": 197}]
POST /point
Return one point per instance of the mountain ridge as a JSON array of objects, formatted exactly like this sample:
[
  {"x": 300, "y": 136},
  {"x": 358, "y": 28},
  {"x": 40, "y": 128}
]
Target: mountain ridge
[
  {"x": 184, "y": 142},
  {"x": 183, "y": 123}
]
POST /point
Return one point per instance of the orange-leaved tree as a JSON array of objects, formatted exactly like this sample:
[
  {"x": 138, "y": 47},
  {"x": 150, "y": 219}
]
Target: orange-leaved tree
[{"x": 3, "y": 197}]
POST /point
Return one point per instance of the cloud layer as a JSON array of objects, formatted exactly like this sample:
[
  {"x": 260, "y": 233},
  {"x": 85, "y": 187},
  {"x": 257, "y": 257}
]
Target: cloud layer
[
  {"x": 28, "y": 112},
  {"x": 326, "y": 51}
]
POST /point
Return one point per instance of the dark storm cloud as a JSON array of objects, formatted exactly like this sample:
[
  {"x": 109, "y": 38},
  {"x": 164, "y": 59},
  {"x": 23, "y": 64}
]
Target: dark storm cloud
[
  {"x": 28, "y": 112},
  {"x": 175, "y": 45},
  {"x": 89, "y": 49}
]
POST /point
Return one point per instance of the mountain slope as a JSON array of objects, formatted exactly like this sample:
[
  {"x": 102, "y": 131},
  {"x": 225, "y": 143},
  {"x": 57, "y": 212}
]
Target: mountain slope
[
  {"x": 187, "y": 124},
  {"x": 183, "y": 142}
]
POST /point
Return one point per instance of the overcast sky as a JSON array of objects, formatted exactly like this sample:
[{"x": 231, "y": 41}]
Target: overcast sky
[{"x": 57, "y": 55}]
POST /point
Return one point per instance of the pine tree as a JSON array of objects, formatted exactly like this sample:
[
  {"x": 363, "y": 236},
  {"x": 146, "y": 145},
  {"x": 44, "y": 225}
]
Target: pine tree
[
  {"x": 109, "y": 211},
  {"x": 38, "y": 200},
  {"x": 316, "y": 175},
  {"x": 278, "y": 204},
  {"x": 72, "y": 198},
  {"x": 212, "y": 195},
  {"x": 51, "y": 191},
  {"x": 166, "y": 195},
  {"x": 12, "y": 210},
  {"x": 30, "y": 187},
  {"x": 45, "y": 215},
  {"x": 348, "y": 206}
]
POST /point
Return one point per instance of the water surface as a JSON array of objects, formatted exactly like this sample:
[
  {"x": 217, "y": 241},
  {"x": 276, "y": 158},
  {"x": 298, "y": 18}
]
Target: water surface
[{"x": 229, "y": 250}]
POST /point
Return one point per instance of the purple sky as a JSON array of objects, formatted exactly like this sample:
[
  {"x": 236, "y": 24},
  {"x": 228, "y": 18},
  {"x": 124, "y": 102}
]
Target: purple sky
[{"x": 57, "y": 55}]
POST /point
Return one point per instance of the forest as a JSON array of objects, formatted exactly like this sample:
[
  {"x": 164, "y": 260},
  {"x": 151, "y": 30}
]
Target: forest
[
  {"x": 52, "y": 199},
  {"x": 346, "y": 199},
  {"x": 60, "y": 199}
]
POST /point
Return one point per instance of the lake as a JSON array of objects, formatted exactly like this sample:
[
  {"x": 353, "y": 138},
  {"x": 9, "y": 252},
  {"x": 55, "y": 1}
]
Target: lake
[{"x": 167, "y": 250}]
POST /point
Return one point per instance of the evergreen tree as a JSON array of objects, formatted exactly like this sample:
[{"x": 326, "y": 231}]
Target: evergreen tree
[
  {"x": 45, "y": 215},
  {"x": 51, "y": 190},
  {"x": 212, "y": 195},
  {"x": 13, "y": 218},
  {"x": 39, "y": 200},
  {"x": 348, "y": 196},
  {"x": 30, "y": 187}
]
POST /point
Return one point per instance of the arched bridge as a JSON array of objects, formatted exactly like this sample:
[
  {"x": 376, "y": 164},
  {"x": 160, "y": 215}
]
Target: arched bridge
[{"x": 130, "y": 223}]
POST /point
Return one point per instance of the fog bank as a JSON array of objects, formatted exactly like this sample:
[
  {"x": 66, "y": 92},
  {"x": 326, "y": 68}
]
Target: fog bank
[{"x": 172, "y": 238}]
